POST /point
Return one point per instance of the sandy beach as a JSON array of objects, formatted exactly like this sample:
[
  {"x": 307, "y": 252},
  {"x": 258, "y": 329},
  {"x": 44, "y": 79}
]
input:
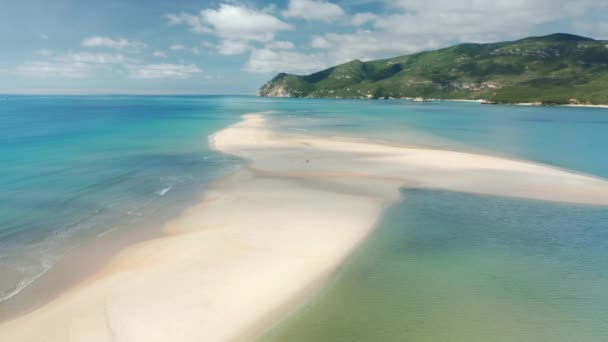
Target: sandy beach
[
  {"x": 527, "y": 103},
  {"x": 266, "y": 236}
]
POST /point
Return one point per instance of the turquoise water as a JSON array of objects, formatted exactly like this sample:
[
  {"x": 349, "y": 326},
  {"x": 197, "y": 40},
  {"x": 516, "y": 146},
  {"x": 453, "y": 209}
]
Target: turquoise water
[
  {"x": 458, "y": 267},
  {"x": 441, "y": 266},
  {"x": 445, "y": 266},
  {"x": 74, "y": 168},
  {"x": 572, "y": 138}
]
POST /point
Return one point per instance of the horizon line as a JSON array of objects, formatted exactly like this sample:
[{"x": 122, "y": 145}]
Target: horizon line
[{"x": 121, "y": 94}]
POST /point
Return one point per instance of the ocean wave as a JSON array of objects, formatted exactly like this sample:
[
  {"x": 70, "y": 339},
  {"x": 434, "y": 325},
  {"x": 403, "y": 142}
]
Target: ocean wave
[
  {"x": 107, "y": 231},
  {"x": 32, "y": 261},
  {"x": 26, "y": 281},
  {"x": 163, "y": 191}
]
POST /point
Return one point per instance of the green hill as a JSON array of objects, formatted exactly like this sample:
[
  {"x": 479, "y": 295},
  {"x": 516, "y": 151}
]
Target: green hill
[{"x": 554, "y": 69}]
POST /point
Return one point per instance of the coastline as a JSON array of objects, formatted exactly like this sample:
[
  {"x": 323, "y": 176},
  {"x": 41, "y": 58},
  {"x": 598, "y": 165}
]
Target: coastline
[
  {"x": 266, "y": 236},
  {"x": 480, "y": 101}
]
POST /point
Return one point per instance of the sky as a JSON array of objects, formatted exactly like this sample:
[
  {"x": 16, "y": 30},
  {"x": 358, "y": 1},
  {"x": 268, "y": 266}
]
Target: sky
[{"x": 233, "y": 46}]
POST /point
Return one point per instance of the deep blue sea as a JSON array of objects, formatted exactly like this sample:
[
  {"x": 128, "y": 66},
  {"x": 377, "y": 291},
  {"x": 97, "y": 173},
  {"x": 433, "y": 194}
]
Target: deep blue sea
[{"x": 441, "y": 266}]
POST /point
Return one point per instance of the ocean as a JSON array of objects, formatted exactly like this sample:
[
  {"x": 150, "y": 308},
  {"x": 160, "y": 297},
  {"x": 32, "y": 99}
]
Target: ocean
[
  {"x": 440, "y": 265},
  {"x": 75, "y": 168}
]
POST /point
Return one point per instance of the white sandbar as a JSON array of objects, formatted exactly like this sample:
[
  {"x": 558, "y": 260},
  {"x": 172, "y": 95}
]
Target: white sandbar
[{"x": 261, "y": 237}]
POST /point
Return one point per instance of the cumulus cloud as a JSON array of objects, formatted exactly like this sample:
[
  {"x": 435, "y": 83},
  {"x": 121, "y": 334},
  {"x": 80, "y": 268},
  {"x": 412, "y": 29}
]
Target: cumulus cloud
[
  {"x": 194, "y": 21},
  {"x": 107, "y": 42},
  {"x": 85, "y": 64},
  {"x": 313, "y": 10},
  {"x": 234, "y": 22},
  {"x": 281, "y": 45},
  {"x": 332, "y": 49},
  {"x": 177, "y": 47},
  {"x": 319, "y": 42},
  {"x": 402, "y": 27},
  {"x": 232, "y": 47},
  {"x": 159, "y": 54},
  {"x": 163, "y": 71},
  {"x": 46, "y": 69},
  {"x": 471, "y": 20},
  {"x": 242, "y": 23},
  {"x": 44, "y": 52},
  {"x": 71, "y": 64},
  {"x": 411, "y": 26},
  {"x": 235, "y": 25},
  {"x": 363, "y": 18},
  {"x": 182, "y": 48},
  {"x": 365, "y": 45},
  {"x": 272, "y": 61},
  {"x": 92, "y": 58}
]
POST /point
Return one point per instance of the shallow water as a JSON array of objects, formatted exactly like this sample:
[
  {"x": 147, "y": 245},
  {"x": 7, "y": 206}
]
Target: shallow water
[
  {"x": 572, "y": 138},
  {"x": 446, "y": 266},
  {"x": 441, "y": 265}
]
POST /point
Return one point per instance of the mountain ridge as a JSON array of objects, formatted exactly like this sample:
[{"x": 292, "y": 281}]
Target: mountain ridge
[{"x": 559, "y": 68}]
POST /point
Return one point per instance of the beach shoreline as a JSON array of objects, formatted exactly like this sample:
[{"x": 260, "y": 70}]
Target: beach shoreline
[
  {"x": 266, "y": 237},
  {"x": 479, "y": 101}
]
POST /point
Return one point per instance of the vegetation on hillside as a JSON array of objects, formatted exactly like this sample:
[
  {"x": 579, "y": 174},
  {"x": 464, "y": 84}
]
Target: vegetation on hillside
[{"x": 554, "y": 69}]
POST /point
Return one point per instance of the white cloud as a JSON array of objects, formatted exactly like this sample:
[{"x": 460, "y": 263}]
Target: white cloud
[
  {"x": 71, "y": 64},
  {"x": 82, "y": 65},
  {"x": 233, "y": 22},
  {"x": 44, "y": 53},
  {"x": 163, "y": 71},
  {"x": 333, "y": 49},
  {"x": 401, "y": 27},
  {"x": 159, "y": 54},
  {"x": 272, "y": 61},
  {"x": 179, "y": 47},
  {"x": 280, "y": 45},
  {"x": 471, "y": 20},
  {"x": 44, "y": 36},
  {"x": 235, "y": 25},
  {"x": 320, "y": 43},
  {"x": 116, "y": 44},
  {"x": 195, "y": 22},
  {"x": 92, "y": 58},
  {"x": 232, "y": 47},
  {"x": 313, "y": 10},
  {"x": 45, "y": 69},
  {"x": 242, "y": 23},
  {"x": 413, "y": 26},
  {"x": 366, "y": 45},
  {"x": 363, "y": 18}
]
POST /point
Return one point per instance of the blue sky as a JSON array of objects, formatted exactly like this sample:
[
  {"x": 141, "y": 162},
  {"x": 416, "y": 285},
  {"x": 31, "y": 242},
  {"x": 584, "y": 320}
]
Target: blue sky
[{"x": 232, "y": 47}]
